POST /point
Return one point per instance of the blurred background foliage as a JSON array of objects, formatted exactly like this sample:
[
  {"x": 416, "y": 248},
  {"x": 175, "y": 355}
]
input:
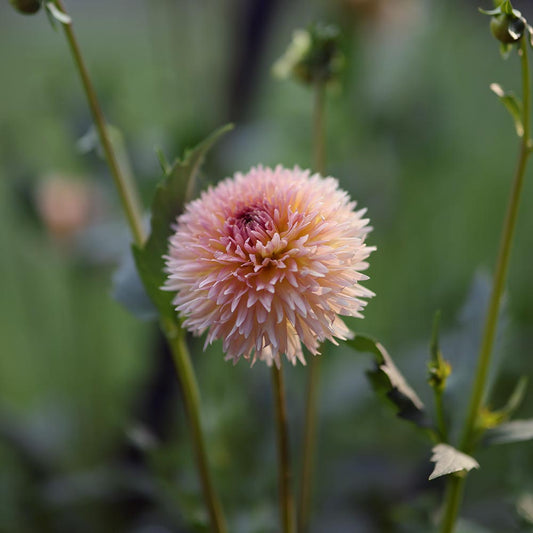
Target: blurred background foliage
[{"x": 92, "y": 436}]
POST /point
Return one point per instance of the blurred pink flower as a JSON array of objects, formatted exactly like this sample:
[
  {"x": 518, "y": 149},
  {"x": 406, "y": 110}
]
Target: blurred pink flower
[{"x": 267, "y": 261}]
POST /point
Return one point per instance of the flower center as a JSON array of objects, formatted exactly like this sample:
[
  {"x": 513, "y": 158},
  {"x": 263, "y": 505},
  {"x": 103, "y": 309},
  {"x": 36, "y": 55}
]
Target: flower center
[{"x": 252, "y": 223}]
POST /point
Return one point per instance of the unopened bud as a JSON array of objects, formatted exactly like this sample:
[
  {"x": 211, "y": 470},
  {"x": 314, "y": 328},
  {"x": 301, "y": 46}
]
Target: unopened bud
[
  {"x": 507, "y": 28},
  {"x": 27, "y": 7}
]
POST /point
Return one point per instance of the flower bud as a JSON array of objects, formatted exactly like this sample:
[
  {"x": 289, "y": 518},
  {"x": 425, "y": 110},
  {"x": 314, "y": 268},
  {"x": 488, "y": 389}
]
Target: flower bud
[
  {"x": 507, "y": 28},
  {"x": 27, "y": 7},
  {"x": 314, "y": 55}
]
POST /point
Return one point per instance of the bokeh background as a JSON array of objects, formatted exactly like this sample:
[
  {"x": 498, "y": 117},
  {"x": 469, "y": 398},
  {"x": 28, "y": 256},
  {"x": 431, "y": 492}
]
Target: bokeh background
[{"x": 92, "y": 432}]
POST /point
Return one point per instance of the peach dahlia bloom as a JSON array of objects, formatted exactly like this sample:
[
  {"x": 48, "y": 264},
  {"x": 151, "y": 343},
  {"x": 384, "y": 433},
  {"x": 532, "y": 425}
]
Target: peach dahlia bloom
[{"x": 267, "y": 261}]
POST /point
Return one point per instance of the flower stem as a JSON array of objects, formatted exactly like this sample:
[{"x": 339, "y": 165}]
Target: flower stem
[
  {"x": 191, "y": 398},
  {"x": 309, "y": 443},
  {"x": 286, "y": 498},
  {"x": 174, "y": 334},
  {"x": 319, "y": 145},
  {"x": 126, "y": 189},
  {"x": 441, "y": 418},
  {"x": 470, "y": 429}
]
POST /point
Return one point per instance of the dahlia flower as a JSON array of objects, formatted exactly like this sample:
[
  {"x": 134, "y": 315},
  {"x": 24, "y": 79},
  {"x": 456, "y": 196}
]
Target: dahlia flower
[{"x": 267, "y": 261}]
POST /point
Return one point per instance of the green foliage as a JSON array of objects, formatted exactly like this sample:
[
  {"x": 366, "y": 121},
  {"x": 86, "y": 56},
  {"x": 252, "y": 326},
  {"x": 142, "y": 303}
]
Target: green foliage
[
  {"x": 448, "y": 460},
  {"x": 57, "y": 14},
  {"x": 490, "y": 419},
  {"x": 507, "y": 25},
  {"x": 515, "y": 431},
  {"x": 313, "y": 56},
  {"x": 513, "y": 104},
  {"x": 439, "y": 369},
  {"x": 387, "y": 381},
  {"x": 169, "y": 200}
]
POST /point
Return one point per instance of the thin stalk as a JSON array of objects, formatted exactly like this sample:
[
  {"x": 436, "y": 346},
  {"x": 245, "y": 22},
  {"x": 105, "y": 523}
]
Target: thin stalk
[
  {"x": 191, "y": 399},
  {"x": 174, "y": 334},
  {"x": 309, "y": 442},
  {"x": 126, "y": 189},
  {"x": 470, "y": 428},
  {"x": 441, "y": 418},
  {"x": 319, "y": 145},
  {"x": 286, "y": 499}
]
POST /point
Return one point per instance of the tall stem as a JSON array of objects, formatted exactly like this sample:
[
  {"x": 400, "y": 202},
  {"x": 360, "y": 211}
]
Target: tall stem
[
  {"x": 319, "y": 145},
  {"x": 191, "y": 398},
  {"x": 309, "y": 443},
  {"x": 126, "y": 189},
  {"x": 174, "y": 334},
  {"x": 286, "y": 498},
  {"x": 455, "y": 487}
]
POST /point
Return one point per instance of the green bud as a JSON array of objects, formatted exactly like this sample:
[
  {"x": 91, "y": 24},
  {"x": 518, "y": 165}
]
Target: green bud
[
  {"x": 507, "y": 28},
  {"x": 313, "y": 56},
  {"x": 28, "y": 7}
]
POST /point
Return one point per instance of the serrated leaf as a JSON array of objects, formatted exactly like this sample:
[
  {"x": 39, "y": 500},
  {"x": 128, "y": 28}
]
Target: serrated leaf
[
  {"x": 387, "y": 379},
  {"x": 57, "y": 14},
  {"x": 512, "y": 104},
  {"x": 448, "y": 460},
  {"x": 515, "y": 431},
  {"x": 169, "y": 199}
]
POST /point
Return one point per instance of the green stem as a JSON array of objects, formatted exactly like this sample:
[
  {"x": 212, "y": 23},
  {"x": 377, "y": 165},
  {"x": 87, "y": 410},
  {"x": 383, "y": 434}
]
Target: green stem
[
  {"x": 306, "y": 481},
  {"x": 470, "y": 429},
  {"x": 441, "y": 419},
  {"x": 174, "y": 334},
  {"x": 309, "y": 442},
  {"x": 191, "y": 399},
  {"x": 126, "y": 189},
  {"x": 286, "y": 498},
  {"x": 319, "y": 145},
  {"x": 454, "y": 495}
]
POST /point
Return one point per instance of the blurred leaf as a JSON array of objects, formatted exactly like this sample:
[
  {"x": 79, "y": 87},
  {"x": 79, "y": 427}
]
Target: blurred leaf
[
  {"x": 465, "y": 526},
  {"x": 449, "y": 460},
  {"x": 505, "y": 50},
  {"x": 491, "y": 419},
  {"x": 461, "y": 345},
  {"x": 524, "y": 507},
  {"x": 57, "y": 14},
  {"x": 129, "y": 290},
  {"x": 515, "y": 431},
  {"x": 170, "y": 197},
  {"x": 513, "y": 104},
  {"x": 491, "y": 12},
  {"x": 387, "y": 379},
  {"x": 90, "y": 142},
  {"x": 439, "y": 368}
]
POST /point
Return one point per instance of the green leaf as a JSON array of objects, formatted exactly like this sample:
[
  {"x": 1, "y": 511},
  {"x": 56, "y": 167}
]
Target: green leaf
[
  {"x": 515, "y": 431},
  {"x": 170, "y": 197},
  {"x": 57, "y": 14},
  {"x": 512, "y": 104},
  {"x": 490, "y": 419},
  {"x": 491, "y": 12},
  {"x": 439, "y": 368},
  {"x": 387, "y": 380},
  {"x": 524, "y": 507},
  {"x": 505, "y": 50},
  {"x": 449, "y": 460}
]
